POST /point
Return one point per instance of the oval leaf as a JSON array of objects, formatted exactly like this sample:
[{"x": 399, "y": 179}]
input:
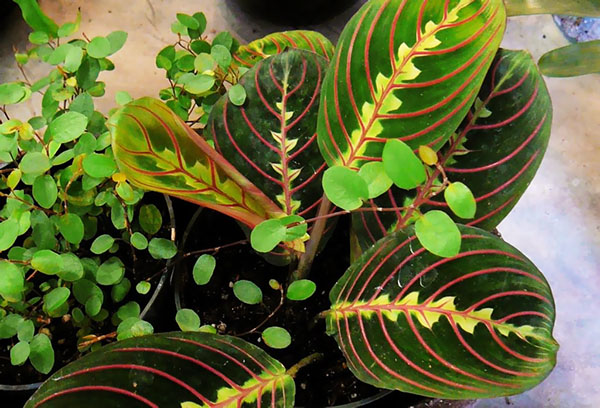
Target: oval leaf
[
  {"x": 271, "y": 138},
  {"x": 478, "y": 325},
  {"x": 157, "y": 151},
  {"x": 275, "y": 43},
  {"x": 438, "y": 233},
  {"x": 247, "y": 292},
  {"x": 406, "y": 70},
  {"x": 572, "y": 60},
  {"x": 345, "y": 188},
  {"x": 460, "y": 200},
  {"x": 170, "y": 370},
  {"x": 497, "y": 153},
  {"x": 402, "y": 165}
]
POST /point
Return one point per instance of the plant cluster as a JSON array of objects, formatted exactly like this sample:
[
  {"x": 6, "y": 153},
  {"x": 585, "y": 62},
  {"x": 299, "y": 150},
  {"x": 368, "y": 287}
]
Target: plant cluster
[
  {"x": 418, "y": 126},
  {"x": 71, "y": 227}
]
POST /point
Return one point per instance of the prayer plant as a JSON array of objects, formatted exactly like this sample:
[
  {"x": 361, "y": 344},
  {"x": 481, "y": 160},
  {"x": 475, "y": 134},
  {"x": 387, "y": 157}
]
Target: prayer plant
[{"x": 423, "y": 130}]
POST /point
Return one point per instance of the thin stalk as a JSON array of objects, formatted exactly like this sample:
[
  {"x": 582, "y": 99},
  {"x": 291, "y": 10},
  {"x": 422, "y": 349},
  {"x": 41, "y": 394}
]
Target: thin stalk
[
  {"x": 308, "y": 257},
  {"x": 303, "y": 363}
]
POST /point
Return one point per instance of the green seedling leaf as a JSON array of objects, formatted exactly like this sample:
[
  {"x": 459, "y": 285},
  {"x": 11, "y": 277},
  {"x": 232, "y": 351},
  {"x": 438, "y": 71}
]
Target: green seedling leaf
[
  {"x": 55, "y": 299},
  {"x": 345, "y": 188},
  {"x": 45, "y": 191},
  {"x": 187, "y": 320},
  {"x": 221, "y": 55},
  {"x": 428, "y": 155},
  {"x": 14, "y": 178},
  {"x": 133, "y": 327},
  {"x": 68, "y": 29},
  {"x": 301, "y": 289},
  {"x": 378, "y": 182},
  {"x": 34, "y": 163},
  {"x": 116, "y": 39},
  {"x": 39, "y": 37},
  {"x": 402, "y": 165},
  {"x": 42, "y": 353},
  {"x": 196, "y": 84},
  {"x": 19, "y": 353},
  {"x": 237, "y": 95},
  {"x": 110, "y": 272},
  {"x": 267, "y": 235},
  {"x": 35, "y": 17},
  {"x": 47, "y": 262},
  {"x": 71, "y": 228},
  {"x": 72, "y": 269},
  {"x": 460, "y": 200},
  {"x": 247, "y": 292},
  {"x": 139, "y": 241},
  {"x": 99, "y": 47},
  {"x": 204, "y": 269},
  {"x": 277, "y": 337},
  {"x": 12, "y": 282},
  {"x": 143, "y": 287},
  {"x": 67, "y": 127},
  {"x": 93, "y": 306},
  {"x": 128, "y": 310},
  {"x": 274, "y": 284},
  {"x": 150, "y": 219},
  {"x": 438, "y": 233},
  {"x": 12, "y": 93},
  {"x": 102, "y": 244},
  {"x": 123, "y": 98},
  {"x": 9, "y": 231},
  {"x": 120, "y": 290},
  {"x": 25, "y": 330},
  {"x": 99, "y": 165},
  {"x": 188, "y": 21},
  {"x": 161, "y": 248}
]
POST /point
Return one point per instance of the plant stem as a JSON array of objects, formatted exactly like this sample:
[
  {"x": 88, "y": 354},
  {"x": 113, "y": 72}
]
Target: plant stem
[
  {"x": 261, "y": 324},
  {"x": 303, "y": 363},
  {"x": 308, "y": 257}
]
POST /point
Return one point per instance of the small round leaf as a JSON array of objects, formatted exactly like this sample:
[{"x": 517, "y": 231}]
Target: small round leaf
[
  {"x": 301, "y": 289},
  {"x": 438, "y": 234},
  {"x": 267, "y": 235},
  {"x": 71, "y": 228},
  {"x": 237, "y": 95},
  {"x": 402, "y": 165},
  {"x": 45, "y": 191},
  {"x": 110, "y": 272},
  {"x": 277, "y": 337},
  {"x": 143, "y": 287},
  {"x": 47, "y": 262},
  {"x": 345, "y": 188},
  {"x": 460, "y": 199},
  {"x": 139, "y": 241},
  {"x": 187, "y": 320},
  {"x": 19, "y": 353},
  {"x": 204, "y": 269},
  {"x": 378, "y": 182},
  {"x": 247, "y": 292},
  {"x": 102, "y": 244},
  {"x": 161, "y": 248}
]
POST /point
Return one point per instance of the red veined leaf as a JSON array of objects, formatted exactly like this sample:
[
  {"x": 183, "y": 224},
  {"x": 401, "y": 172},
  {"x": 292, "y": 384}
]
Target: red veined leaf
[
  {"x": 276, "y": 43},
  {"x": 408, "y": 70},
  {"x": 167, "y": 370},
  {"x": 271, "y": 138},
  {"x": 157, "y": 151},
  {"x": 499, "y": 149},
  {"x": 477, "y": 325}
]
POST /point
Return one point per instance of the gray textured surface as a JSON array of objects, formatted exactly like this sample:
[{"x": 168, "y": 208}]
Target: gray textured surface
[{"x": 556, "y": 223}]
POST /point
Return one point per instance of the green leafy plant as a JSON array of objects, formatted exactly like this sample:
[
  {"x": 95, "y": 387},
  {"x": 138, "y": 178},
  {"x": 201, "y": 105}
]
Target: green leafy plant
[
  {"x": 421, "y": 129},
  {"x": 70, "y": 235}
]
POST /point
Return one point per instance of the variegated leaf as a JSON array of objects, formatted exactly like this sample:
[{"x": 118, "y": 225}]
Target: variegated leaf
[
  {"x": 157, "y": 151},
  {"x": 276, "y": 43},
  {"x": 499, "y": 149},
  {"x": 408, "y": 70},
  {"x": 168, "y": 370},
  {"x": 271, "y": 138},
  {"x": 477, "y": 325}
]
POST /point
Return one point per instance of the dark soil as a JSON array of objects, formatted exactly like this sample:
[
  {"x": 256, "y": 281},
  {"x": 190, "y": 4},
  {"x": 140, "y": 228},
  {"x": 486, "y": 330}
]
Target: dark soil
[
  {"x": 324, "y": 383},
  {"x": 62, "y": 331}
]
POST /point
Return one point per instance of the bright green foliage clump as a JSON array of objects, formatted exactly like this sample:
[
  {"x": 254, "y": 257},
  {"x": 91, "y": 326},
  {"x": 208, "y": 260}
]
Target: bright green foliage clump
[{"x": 70, "y": 223}]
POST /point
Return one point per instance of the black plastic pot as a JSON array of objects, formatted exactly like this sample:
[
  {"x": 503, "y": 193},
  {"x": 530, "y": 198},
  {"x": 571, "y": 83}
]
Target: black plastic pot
[
  {"x": 20, "y": 393},
  {"x": 294, "y": 11}
]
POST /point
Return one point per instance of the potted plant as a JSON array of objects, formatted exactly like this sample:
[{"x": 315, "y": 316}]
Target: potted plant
[
  {"x": 418, "y": 121},
  {"x": 83, "y": 252}
]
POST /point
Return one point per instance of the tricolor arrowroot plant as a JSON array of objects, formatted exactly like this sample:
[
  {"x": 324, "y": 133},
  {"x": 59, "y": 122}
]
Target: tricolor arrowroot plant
[{"x": 423, "y": 130}]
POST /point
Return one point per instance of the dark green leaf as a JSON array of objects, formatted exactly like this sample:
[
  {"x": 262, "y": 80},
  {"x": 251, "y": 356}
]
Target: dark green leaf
[
  {"x": 222, "y": 55},
  {"x": 99, "y": 165},
  {"x": 19, "y": 353},
  {"x": 139, "y": 241},
  {"x": 54, "y": 299},
  {"x": 25, "y": 330},
  {"x": 84, "y": 104},
  {"x": 188, "y": 21},
  {"x": 573, "y": 60},
  {"x": 150, "y": 219},
  {"x": 161, "y": 248},
  {"x": 102, "y": 244},
  {"x": 36, "y": 18}
]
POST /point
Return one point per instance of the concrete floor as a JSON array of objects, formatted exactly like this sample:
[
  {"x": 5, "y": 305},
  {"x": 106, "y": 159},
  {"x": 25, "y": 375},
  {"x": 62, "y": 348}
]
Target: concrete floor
[{"x": 556, "y": 223}]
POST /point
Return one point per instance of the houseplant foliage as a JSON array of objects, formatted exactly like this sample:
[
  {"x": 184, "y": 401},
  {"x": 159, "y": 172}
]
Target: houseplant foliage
[
  {"x": 72, "y": 228},
  {"x": 418, "y": 103}
]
